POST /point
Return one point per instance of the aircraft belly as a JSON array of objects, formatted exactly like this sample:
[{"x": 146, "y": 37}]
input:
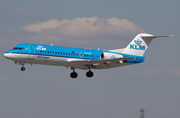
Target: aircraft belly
[
  {"x": 48, "y": 60},
  {"x": 62, "y": 61}
]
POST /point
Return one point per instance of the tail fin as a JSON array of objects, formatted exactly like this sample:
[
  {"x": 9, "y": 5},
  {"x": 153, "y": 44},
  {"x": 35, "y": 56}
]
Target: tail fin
[{"x": 140, "y": 43}]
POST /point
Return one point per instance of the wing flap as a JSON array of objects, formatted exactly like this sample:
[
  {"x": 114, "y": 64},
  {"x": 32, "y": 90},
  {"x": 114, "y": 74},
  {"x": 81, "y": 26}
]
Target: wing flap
[{"x": 96, "y": 62}]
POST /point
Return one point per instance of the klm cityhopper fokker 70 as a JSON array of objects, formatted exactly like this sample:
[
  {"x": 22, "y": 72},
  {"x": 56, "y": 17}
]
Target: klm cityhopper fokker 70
[{"x": 78, "y": 58}]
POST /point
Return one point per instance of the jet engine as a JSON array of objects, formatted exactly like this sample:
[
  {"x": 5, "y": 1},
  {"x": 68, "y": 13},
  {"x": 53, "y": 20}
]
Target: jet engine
[{"x": 106, "y": 55}]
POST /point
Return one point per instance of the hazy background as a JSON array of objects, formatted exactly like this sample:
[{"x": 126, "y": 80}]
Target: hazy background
[{"x": 49, "y": 92}]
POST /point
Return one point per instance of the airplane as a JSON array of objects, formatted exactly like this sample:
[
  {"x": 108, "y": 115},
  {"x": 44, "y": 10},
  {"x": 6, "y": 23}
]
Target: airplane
[{"x": 79, "y": 58}]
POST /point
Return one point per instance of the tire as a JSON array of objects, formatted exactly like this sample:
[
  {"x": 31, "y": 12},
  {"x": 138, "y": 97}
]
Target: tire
[
  {"x": 73, "y": 75},
  {"x": 23, "y": 68}
]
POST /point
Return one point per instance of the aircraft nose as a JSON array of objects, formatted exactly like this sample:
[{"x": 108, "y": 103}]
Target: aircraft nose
[{"x": 7, "y": 55}]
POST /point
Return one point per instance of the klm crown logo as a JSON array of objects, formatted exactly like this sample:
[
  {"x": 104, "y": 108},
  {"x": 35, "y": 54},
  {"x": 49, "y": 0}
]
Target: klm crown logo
[
  {"x": 113, "y": 57},
  {"x": 40, "y": 48},
  {"x": 138, "y": 42}
]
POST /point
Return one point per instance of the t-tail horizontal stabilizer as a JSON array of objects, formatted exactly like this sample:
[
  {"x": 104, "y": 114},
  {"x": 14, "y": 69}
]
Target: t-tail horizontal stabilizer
[{"x": 140, "y": 43}]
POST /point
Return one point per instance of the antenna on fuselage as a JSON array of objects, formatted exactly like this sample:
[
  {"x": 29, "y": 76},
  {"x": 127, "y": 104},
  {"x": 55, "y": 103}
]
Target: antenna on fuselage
[{"x": 52, "y": 44}]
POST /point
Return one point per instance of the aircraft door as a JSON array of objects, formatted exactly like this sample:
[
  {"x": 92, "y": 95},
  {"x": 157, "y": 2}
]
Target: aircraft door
[
  {"x": 31, "y": 52},
  {"x": 81, "y": 55}
]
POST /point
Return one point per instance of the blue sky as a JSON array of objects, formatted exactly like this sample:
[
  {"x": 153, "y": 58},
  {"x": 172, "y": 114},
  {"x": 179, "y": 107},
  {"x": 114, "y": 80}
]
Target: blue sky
[{"x": 48, "y": 91}]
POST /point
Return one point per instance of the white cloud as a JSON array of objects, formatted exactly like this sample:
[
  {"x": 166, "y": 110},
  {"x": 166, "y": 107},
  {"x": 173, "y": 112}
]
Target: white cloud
[
  {"x": 3, "y": 78},
  {"x": 174, "y": 72},
  {"x": 148, "y": 71},
  {"x": 38, "y": 27},
  {"x": 173, "y": 97},
  {"x": 145, "y": 72},
  {"x": 86, "y": 26},
  {"x": 89, "y": 32}
]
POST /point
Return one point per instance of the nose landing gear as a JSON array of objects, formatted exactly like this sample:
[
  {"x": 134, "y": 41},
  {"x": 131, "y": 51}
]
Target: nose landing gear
[{"x": 21, "y": 63}]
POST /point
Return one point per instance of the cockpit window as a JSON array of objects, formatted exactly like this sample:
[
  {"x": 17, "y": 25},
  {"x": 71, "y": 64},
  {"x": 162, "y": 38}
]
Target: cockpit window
[
  {"x": 18, "y": 48},
  {"x": 21, "y": 49},
  {"x": 15, "y": 48}
]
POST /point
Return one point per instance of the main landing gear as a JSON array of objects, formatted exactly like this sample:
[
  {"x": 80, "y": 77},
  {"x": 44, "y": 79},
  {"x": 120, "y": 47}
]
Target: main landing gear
[
  {"x": 23, "y": 68},
  {"x": 88, "y": 74},
  {"x": 73, "y": 74}
]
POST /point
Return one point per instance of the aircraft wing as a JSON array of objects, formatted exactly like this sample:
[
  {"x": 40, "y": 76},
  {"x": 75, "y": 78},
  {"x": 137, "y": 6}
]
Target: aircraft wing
[{"x": 97, "y": 64}]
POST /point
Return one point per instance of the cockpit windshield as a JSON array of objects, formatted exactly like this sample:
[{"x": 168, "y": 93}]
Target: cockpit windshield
[
  {"x": 18, "y": 48},
  {"x": 15, "y": 48}
]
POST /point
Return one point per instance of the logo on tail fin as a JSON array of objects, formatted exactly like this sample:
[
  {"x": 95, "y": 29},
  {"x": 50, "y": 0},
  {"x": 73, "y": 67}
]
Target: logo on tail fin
[{"x": 137, "y": 45}]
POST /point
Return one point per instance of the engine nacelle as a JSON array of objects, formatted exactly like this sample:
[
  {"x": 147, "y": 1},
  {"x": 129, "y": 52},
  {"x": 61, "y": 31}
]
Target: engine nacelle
[{"x": 106, "y": 55}]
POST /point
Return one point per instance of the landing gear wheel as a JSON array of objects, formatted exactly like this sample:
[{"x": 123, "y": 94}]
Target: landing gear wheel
[
  {"x": 23, "y": 68},
  {"x": 89, "y": 74},
  {"x": 73, "y": 75}
]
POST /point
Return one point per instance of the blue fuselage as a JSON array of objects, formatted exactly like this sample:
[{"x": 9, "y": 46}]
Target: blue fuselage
[{"x": 36, "y": 51}]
